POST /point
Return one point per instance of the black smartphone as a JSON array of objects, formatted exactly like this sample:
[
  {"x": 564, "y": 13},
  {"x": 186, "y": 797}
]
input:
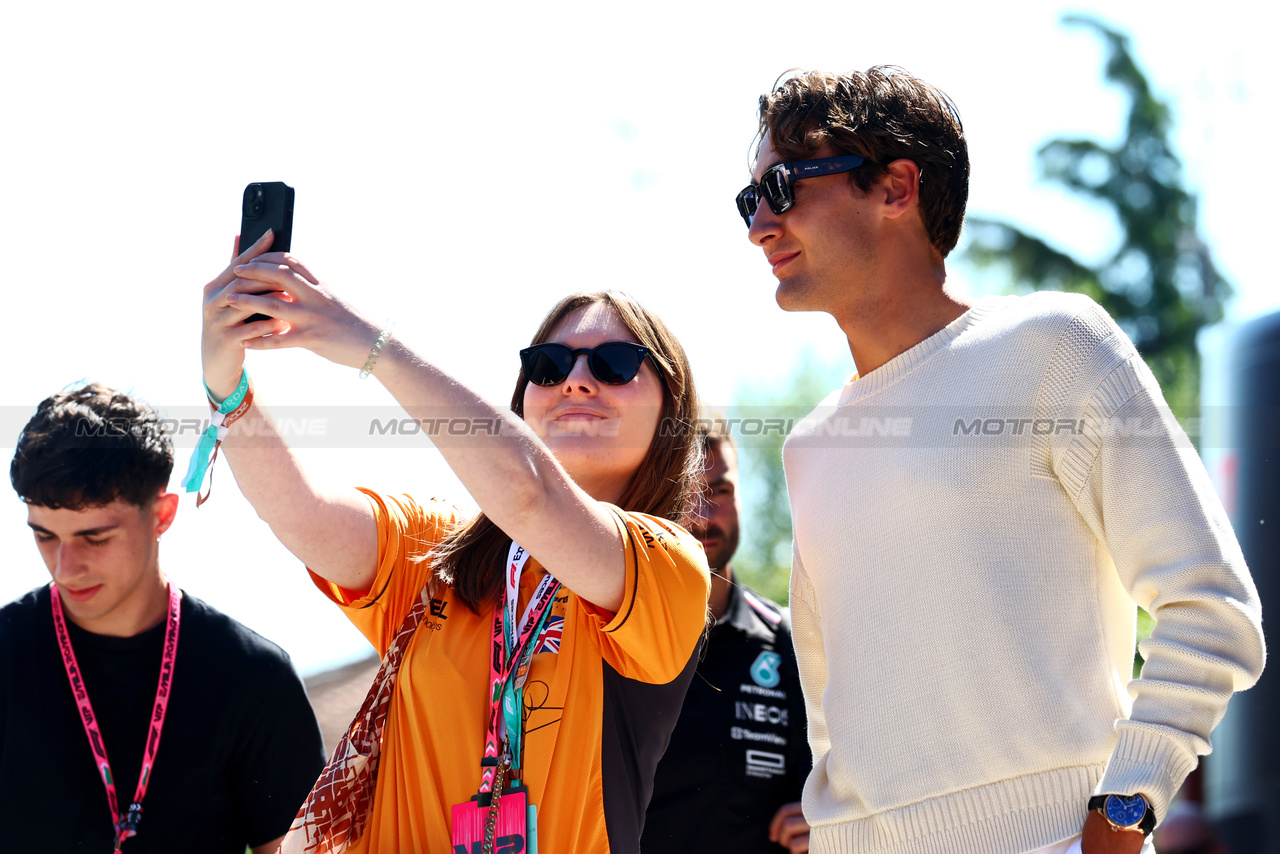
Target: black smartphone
[{"x": 266, "y": 205}]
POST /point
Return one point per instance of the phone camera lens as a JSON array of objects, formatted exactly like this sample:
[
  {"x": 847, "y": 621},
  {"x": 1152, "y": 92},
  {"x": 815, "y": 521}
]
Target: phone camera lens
[{"x": 252, "y": 201}]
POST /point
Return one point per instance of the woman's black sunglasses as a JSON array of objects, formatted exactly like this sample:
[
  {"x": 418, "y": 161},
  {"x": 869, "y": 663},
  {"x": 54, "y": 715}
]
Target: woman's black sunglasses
[
  {"x": 612, "y": 363},
  {"x": 778, "y": 183}
]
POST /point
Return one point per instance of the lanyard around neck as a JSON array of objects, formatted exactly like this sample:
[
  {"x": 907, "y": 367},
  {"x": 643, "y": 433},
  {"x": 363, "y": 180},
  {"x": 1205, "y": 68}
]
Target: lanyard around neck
[
  {"x": 127, "y": 825},
  {"x": 513, "y": 646}
]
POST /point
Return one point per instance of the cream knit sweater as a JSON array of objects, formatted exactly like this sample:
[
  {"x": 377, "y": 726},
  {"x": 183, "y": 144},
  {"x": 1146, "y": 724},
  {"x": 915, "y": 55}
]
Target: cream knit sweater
[{"x": 974, "y": 522}]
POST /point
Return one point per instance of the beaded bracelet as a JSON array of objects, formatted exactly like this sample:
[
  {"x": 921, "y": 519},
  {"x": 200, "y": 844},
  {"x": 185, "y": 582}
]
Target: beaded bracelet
[{"x": 383, "y": 337}]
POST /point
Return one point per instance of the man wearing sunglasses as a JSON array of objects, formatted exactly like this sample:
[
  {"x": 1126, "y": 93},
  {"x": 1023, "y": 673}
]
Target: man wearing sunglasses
[{"x": 963, "y": 596}]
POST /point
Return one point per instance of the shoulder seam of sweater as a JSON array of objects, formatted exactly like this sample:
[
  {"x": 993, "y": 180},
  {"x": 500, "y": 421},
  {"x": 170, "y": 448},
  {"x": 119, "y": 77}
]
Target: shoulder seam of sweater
[{"x": 1117, "y": 388}]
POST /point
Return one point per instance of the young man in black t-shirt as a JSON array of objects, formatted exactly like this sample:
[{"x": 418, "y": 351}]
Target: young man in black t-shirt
[
  {"x": 107, "y": 671},
  {"x": 732, "y": 776}
]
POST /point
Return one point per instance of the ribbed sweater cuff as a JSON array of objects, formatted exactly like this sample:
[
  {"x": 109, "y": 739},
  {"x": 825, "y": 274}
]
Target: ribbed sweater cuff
[
  {"x": 1009, "y": 817},
  {"x": 1147, "y": 761}
]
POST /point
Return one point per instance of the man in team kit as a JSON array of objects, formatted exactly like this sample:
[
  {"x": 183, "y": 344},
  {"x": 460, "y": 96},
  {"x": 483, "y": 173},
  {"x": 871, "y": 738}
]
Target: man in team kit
[
  {"x": 133, "y": 714},
  {"x": 732, "y": 775},
  {"x": 963, "y": 592}
]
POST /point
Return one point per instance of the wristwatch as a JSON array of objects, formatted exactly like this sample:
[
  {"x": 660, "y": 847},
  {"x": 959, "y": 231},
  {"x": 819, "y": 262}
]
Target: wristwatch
[{"x": 1125, "y": 812}]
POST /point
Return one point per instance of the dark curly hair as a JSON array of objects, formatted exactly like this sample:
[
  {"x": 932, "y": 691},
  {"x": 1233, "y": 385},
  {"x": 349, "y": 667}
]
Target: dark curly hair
[
  {"x": 90, "y": 446},
  {"x": 883, "y": 114}
]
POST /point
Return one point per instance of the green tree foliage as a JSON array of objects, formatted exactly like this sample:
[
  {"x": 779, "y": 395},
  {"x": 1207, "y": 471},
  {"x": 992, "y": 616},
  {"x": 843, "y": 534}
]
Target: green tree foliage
[
  {"x": 763, "y": 560},
  {"x": 1160, "y": 284}
]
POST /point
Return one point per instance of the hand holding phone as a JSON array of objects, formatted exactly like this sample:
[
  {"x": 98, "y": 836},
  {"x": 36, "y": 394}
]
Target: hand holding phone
[{"x": 265, "y": 206}]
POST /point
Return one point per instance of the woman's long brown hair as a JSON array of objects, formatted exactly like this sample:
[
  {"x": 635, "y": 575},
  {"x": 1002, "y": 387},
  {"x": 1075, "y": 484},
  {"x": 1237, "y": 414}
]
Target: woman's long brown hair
[{"x": 472, "y": 558}]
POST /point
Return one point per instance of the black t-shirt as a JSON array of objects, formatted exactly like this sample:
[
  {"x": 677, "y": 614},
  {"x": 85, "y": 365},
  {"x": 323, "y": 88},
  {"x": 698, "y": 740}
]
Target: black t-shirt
[
  {"x": 239, "y": 752},
  {"x": 739, "y": 750}
]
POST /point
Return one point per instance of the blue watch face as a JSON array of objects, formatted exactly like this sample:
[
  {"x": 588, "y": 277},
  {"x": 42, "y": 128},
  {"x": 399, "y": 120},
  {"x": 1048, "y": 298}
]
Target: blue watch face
[{"x": 1125, "y": 810}]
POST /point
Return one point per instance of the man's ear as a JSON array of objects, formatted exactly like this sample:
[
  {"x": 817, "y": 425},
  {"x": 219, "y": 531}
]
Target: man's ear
[
  {"x": 900, "y": 187},
  {"x": 165, "y": 508}
]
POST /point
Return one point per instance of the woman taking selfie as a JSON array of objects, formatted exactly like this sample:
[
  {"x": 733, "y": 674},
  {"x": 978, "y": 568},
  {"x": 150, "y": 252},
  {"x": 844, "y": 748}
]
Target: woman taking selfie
[{"x": 544, "y": 647}]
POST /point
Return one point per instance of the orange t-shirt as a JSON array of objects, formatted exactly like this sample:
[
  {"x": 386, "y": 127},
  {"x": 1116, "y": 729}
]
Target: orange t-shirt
[{"x": 599, "y": 710}]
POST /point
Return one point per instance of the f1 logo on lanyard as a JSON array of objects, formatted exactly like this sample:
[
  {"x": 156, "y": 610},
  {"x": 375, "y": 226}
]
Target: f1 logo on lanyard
[{"x": 499, "y": 819}]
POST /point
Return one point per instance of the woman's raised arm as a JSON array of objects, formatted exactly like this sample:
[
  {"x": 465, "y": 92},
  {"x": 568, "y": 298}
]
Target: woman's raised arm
[
  {"x": 510, "y": 473},
  {"x": 335, "y": 535}
]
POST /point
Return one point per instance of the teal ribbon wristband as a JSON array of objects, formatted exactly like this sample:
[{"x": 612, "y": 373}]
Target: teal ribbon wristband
[
  {"x": 206, "y": 450},
  {"x": 235, "y": 398}
]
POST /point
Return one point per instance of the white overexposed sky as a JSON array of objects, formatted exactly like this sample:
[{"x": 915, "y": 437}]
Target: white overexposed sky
[{"x": 459, "y": 168}]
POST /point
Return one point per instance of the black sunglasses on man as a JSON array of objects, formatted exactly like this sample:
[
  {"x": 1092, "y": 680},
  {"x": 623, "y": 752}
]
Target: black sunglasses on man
[{"x": 778, "y": 183}]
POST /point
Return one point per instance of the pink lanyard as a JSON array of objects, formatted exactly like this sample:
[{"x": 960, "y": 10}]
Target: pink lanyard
[
  {"x": 503, "y": 661},
  {"x": 127, "y": 826}
]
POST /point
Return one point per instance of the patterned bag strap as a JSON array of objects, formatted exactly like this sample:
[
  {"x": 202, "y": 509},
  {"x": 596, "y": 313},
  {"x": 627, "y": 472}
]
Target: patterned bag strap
[{"x": 334, "y": 815}]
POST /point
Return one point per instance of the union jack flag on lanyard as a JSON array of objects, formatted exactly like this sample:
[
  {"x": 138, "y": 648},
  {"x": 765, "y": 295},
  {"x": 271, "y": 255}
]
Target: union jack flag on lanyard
[{"x": 549, "y": 640}]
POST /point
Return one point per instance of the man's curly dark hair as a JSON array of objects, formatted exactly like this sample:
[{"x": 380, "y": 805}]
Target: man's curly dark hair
[
  {"x": 90, "y": 446},
  {"x": 882, "y": 114}
]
